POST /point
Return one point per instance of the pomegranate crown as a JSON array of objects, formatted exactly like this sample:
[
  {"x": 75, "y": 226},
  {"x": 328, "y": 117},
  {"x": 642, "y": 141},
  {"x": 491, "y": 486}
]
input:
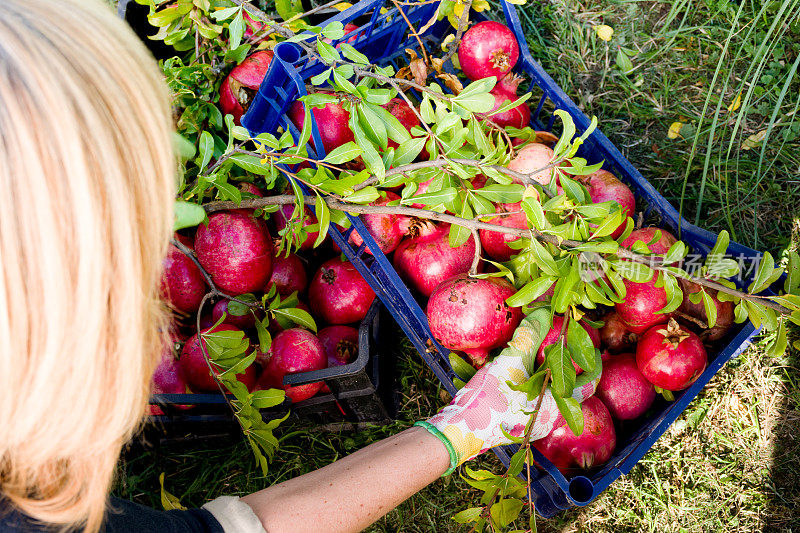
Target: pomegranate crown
[{"x": 674, "y": 334}]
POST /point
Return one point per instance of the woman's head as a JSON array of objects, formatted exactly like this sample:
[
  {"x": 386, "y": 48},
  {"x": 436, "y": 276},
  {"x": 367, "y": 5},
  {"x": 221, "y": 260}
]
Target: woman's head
[{"x": 87, "y": 179}]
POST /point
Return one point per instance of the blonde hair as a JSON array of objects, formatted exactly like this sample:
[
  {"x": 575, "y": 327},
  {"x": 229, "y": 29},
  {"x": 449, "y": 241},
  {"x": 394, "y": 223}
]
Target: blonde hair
[{"x": 87, "y": 178}]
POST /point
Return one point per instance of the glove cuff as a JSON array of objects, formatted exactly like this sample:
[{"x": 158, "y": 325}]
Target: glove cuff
[{"x": 433, "y": 430}]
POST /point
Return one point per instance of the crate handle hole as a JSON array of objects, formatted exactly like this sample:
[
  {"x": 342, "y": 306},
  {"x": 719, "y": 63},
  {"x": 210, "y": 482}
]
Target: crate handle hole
[
  {"x": 288, "y": 52},
  {"x": 581, "y": 490}
]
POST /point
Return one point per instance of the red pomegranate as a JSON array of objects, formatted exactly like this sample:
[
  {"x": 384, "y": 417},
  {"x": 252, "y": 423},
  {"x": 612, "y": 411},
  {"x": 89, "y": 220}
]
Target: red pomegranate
[
  {"x": 671, "y": 357},
  {"x": 387, "y": 229},
  {"x": 725, "y": 310},
  {"x": 426, "y": 259},
  {"x": 288, "y": 275},
  {"x": 182, "y": 284},
  {"x": 332, "y": 123},
  {"x": 488, "y": 49},
  {"x": 471, "y": 315},
  {"x": 195, "y": 367},
  {"x": 615, "y": 334},
  {"x": 168, "y": 377},
  {"x": 603, "y": 186},
  {"x": 338, "y": 294},
  {"x": 532, "y": 158},
  {"x": 645, "y": 235},
  {"x": 240, "y": 86},
  {"x": 495, "y": 244},
  {"x": 506, "y": 91},
  {"x": 623, "y": 388},
  {"x": 572, "y": 453},
  {"x": 292, "y": 351},
  {"x": 555, "y": 332},
  {"x": 235, "y": 248},
  {"x": 340, "y": 344},
  {"x": 638, "y": 310}
]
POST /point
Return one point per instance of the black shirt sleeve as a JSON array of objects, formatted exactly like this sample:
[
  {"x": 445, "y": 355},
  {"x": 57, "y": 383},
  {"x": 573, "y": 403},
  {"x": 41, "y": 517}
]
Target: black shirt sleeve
[{"x": 124, "y": 517}]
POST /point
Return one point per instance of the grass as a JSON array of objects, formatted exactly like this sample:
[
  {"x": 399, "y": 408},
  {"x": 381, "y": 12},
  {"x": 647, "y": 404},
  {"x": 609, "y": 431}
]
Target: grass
[{"x": 731, "y": 460}]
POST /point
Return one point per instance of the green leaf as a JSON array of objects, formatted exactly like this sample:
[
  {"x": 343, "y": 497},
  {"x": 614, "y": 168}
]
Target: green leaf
[
  {"x": 408, "y": 151},
  {"x": 673, "y": 290},
  {"x": 299, "y": 317},
  {"x": 561, "y": 369},
  {"x": 264, "y": 336},
  {"x": 463, "y": 370},
  {"x": 224, "y": 14},
  {"x": 534, "y": 213},
  {"x": 394, "y": 129},
  {"x": 353, "y": 55},
  {"x": 711, "y": 309},
  {"x": 475, "y": 103},
  {"x": 499, "y": 193},
  {"x": 327, "y": 52},
  {"x": 580, "y": 345},
  {"x": 342, "y": 154},
  {"x": 573, "y": 189},
  {"x": 781, "y": 340},
  {"x": 250, "y": 163},
  {"x": 721, "y": 246},
  {"x": 563, "y": 292},
  {"x": 371, "y": 157},
  {"x": 324, "y": 218},
  {"x": 364, "y": 196},
  {"x": 333, "y": 30},
  {"x": 444, "y": 196},
  {"x": 570, "y": 409},
  {"x": 187, "y": 214},
  {"x": 517, "y": 462},
  {"x": 763, "y": 275},
  {"x": 624, "y": 62},
  {"x": 792, "y": 272},
  {"x": 459, "y": 234},
  {"x": 468, "y": 515},
  {"x": 322, "y": 77},
  {"x": 532, "y": 290},
  {"x": 206, "y": 149},
  {"x": 169, "y": 501},
  {"x": 264, "y": 399},
  {"x": 544, "y": 259},
  {"x": 239, "y": 309},
  {"x": 505, "y": 511},
  {"x": 236, "y": 29},
  {"x": 636, "y": 272}
]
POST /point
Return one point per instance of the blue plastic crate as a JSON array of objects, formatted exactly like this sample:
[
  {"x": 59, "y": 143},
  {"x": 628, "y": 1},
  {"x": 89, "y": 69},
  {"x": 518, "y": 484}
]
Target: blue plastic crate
[{"x": 383, "y": 39}]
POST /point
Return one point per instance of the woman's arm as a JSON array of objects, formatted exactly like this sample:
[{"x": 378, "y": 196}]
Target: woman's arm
[{"x": 353, "y": 492}]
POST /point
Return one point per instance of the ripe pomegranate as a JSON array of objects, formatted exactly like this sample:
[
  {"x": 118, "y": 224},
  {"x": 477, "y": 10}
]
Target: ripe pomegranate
[
  {"x": 623, "y": 388},
  {"x": 292, "y": 351},
  {"x": 532, "y": 157},
  {"x": 387, "y": 229},
  {"x": 340, "y": 344},
  {"x": 506, "y": 91},
  {"x": 671, "y": 357},
  {"x": 288, "y": 275},
  {"x": 638, "y": 309},
  {"x": 235, "y": 248},
  {"x": 495, "y": 244},
  {"x": 281, "y": 219},
  {"x": 555, "y": 332},
  {"x": 168, "y": 377},
  {"x": 725, "y": 314},
  {"x": 603, "y": 186},
  {"x": 615, "y": 334},
  {"x": 196, "y": 369},
  {"x": 427, "y": 259},
  {"x": 645, "y": 235},
  {"x": 471, "y": 315},
  {"x": 240, "y": 86},
  {"x": 242, "y": 322},
  {"x": 400, "y": 110},
  {"x": 572, "y": 453},
  {"x": 248, "y": 187},
  {"x": 182, "y": 283},
  {"x": 488, "y": 49},
  {"x": 338, "y": 294},
  {"x": 332, "y": 124}
]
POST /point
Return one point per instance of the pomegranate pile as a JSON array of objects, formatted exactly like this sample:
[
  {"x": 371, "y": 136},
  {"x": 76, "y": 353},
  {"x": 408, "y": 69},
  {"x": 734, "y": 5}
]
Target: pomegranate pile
[{"x": 484, "y": 217}]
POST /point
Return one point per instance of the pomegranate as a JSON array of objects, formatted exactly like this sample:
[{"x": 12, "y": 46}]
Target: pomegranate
[
  {"x": 506, "y": 91},
  {"x": 427, "y": 259},
  {"x": 555, "y": 332},
  {"x": 242, "y": 322},
  {"x": 471, "y": 315},
  {"x": 182, "y": 283},
  {"x": 495, "y": 244},
  {"x": 671, "y": 357},
  {"x": 340, "y": 344},
  {"x": 623, "y": 388},
  {"x": 281, "y": 219},
  {"x": 168, "y": 377},
  {"x": 240, "y": 86},
  {"x": 725, "y": 315},
  {"x": 338, "y": 294},
  {"x": 603, "y": 186},
  {"x": 235, "y": 248},
  {"x": 288, "y": 275},
  {"x": 400, "y": 110},
  {"x": 387, "y": 229},
  {"x": 249, "y": 188},
  {"x": 488, "y": 49},
  {"x": 332, "y": 124},
  {"x": 572, "y": 453},
  {"x": 532, "y": 157},
  {"x": 292, "y": 351},
  {"x": 196, "y": 369},
  {"x": 638, "y": 309},
  {"x": 615, "y": 334},
  {"x": 645, "y": 235}
]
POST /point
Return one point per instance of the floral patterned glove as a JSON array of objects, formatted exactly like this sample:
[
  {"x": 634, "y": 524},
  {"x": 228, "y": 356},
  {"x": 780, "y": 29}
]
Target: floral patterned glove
[{"x": 471, "y": 423}]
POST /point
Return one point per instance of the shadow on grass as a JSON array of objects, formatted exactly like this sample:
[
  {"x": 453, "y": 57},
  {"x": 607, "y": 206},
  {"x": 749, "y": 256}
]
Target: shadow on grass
[{"x": 782, "y": 512}]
